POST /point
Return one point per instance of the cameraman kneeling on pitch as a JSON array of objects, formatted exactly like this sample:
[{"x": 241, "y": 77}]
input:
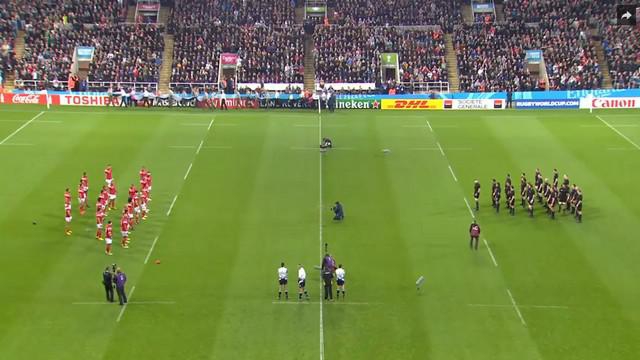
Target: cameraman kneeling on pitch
[{"x": 326, "y": 143}]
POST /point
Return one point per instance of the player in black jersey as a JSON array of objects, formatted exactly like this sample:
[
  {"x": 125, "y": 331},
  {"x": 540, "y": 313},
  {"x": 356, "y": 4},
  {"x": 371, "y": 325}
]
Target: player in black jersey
[
  {"x": 496, "y": 197},
  {"x": 507, "y": 186},
  {"x": 546, "y": 194},
  {"x": 511, "y": 201},
  {"x": 555, "y": 178},
  {"x": 493, "y": 191},
  {"x": 553, "y": 200},
  {"x": 542, "y": 192},
  {"x": 523, "y": 189},
  {"x": 572, "y": 199},
  {"x": 565, "y": 180},
  {"x": 578, "y": 205},
  {"x": 531, "y": 193},
  {"x": 476, "y": 193},
  {"x": 563, "y": 195},
  {"x": 538, "y": 183}
]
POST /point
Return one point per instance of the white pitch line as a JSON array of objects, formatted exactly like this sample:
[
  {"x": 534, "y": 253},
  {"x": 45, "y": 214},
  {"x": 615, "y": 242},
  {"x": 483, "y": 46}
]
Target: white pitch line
[
  {"x": 473, "y": 216},
  {"x": 188, "y": 171},
  {"x": 217, "y": 147},
  {"x": 210, "y": 125},
  {"x": 49, "y": 122},
  {"x": 172, "y": 203},
  {"x": 414, "y": 126},
  {"x": 194, "y": 124},
  {"x": 320, "y": 237},
  {"x": 320, "y": 302},
  {"x": 493, "y": 258},
  {"x": 436, "y": 149},
  {"x": 618, "y": 132},
  {"x": 151, "y": 249},
  {"x": 452, "y": 174},
  {"x": 602, "y": 126},
  {"x": 515, "y": 306},
  {"x": 429, "y": 125},
  {"x": 182, "y": 147},
  {"x": 22, "y": 127},
  {"x": 124, "y": 307},
  {"x": 522, "y": 306},
  {"x": 17, "y": 144},
  {"x": 441, "y": 150},
  {"x": 159, "y": 302},
  {"x": 199, "y": 147}
]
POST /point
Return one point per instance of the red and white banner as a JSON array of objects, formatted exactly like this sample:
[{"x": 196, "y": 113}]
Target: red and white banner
[
  {"x": 232, "y": 103},
  {"x": 610, "y": 103},
  {"x": 39, "y": 99},
  {"x": 149, "y": 7},
  {"x": 474, "y": 104},
  {"x": 87, "y": 100}
]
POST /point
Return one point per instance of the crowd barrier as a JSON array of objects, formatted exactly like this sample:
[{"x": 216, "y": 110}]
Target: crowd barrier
[{"x": 583, "y": 99}]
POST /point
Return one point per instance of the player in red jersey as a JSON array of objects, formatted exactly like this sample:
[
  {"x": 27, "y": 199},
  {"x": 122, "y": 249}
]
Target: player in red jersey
[
  {"x": 136, "y": 208},
  {"x": 108, "y": 174},
  {"x": 143, "y": 174},
  {"x": 112, "y": 195},
  {"x": 132, "y": 192},
  {"x": 67, "y": 197},
  {"x": 104, "y": 196},
  {"x": 149, "y": 182},
  {"x": 130, "y": 214},
  {"x": 124, "y": 228},
  {"x": 82, "y": 198},
  {"x": 99, "y": 219},
  {"x": 67, "y": 219},
  {"x": 144, "y": 207},
  {"x": 108, "y": 238},
  {"x": 84, "y": 180}
]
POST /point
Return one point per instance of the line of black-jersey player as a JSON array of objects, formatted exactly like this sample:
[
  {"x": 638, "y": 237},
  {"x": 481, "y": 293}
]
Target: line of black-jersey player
[{"x": 565, "y": 198}]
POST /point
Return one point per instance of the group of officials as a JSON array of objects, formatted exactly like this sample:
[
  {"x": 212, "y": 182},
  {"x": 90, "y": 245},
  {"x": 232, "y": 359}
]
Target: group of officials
[
  {"x": 328, "y": 270},
  {"x": 114, "y": 277},
  {"x": 552, "y": 195}
]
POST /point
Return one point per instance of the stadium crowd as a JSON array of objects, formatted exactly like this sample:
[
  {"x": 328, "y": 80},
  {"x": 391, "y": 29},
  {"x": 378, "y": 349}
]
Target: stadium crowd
[
  {"x": 128, "y": 53},
  {"x": 397, "y": 12},
  {"x": 7, "y": 43},
  {"x": 622, "y": 49},
  {"x": 267, "y": 54},
  {"x": 351, "y": 53},
  {"x": 200, "y": 14}
]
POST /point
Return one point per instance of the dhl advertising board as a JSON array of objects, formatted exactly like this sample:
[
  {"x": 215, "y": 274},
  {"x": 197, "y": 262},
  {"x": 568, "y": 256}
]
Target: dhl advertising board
[{"x": 412, "y": 104}]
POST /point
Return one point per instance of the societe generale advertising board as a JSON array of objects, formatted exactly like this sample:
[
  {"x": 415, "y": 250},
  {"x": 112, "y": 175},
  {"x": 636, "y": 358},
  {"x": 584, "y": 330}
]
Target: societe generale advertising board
[{"x": 440, "y": 104}]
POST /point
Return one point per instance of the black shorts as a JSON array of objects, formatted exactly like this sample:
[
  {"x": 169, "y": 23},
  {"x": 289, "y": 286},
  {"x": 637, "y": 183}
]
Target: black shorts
[
  {"x": 476, "y": 196},
  {"x": 282, "y": 281},
  {"x": 340, "y": 282},
  {"x": 301, "y": 283}
]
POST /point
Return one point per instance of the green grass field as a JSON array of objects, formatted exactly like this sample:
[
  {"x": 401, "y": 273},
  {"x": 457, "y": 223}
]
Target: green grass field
[{"x": 557, "y": 289}]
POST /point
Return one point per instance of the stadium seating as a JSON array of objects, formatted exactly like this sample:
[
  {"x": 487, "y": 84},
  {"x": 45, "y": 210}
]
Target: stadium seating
[
  {"x": 622, "y": 49},
  {"x": 46, "y": 13},
  {"x": 398, "y": 12},
  {"x": 268, "y": 54},
  {"x": 128, "y": 53},
  {"x": 491, "y": 57},
  {"x": 351, "y": 53},
  {"x": 8, "y": 29}
]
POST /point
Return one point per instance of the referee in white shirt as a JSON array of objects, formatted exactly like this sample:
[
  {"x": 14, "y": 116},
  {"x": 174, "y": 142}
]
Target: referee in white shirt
[
  {"x": 283, "y": 275},
  {"x": 302, "y": 280},
  {"x": 340, "y": 281}
]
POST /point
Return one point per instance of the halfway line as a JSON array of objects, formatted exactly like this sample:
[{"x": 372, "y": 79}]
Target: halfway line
[
  {"x": 440, "y": 147},
  {"x": 22, "y": 127},
  {"x": 429, "y": 125},
  {"x": 124, "y": 307},
  {"x": 452, "y": 174},
  {"x": 188, "y": 170},
  {"x": 473, "y": 216},
  {"x": 199, "y": 147}
]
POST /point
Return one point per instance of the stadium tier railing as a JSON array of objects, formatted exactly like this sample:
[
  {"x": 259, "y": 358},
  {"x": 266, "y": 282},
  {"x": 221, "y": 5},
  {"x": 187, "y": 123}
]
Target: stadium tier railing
[{"x": 91, "y": 85}]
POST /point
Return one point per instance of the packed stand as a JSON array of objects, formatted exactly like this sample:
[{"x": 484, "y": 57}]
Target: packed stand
[
  {"x": 47, "y": 13},
  {"x": 492, "y": 57},
  {"x": 124, "y": 53},
  {"x": 351, "y": 53},
  {"x": 267, "y": 54},
  {"x": 533, "y": 11},
  {"x": 621, "y": 45},
  {"x": 398, "y": 12},
  {"x": 201, "y": 14},
  {"x": 7, "y": 41}
]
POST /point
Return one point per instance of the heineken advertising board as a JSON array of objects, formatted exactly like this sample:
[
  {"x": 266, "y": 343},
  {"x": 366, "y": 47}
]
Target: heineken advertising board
[{"x": 358, "y": 103}]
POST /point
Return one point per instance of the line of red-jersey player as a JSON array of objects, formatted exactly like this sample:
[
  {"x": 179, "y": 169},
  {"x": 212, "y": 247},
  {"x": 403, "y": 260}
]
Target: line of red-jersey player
[{"x": 136, "y": 209}]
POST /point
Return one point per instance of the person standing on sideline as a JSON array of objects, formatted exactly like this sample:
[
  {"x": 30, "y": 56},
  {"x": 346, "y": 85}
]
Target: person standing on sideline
[
  {"x": 340, "y": 274},
  {"x": 283, "y": 275},
  {"x": 121, "y": 280},
  {"x": 223, "y": 100},
  {"x": 474, "y": 232},
  {"x": 107, "y": 281},
  {"x": 327, "y": 277},
  {"x": 302, "y": 280}
]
